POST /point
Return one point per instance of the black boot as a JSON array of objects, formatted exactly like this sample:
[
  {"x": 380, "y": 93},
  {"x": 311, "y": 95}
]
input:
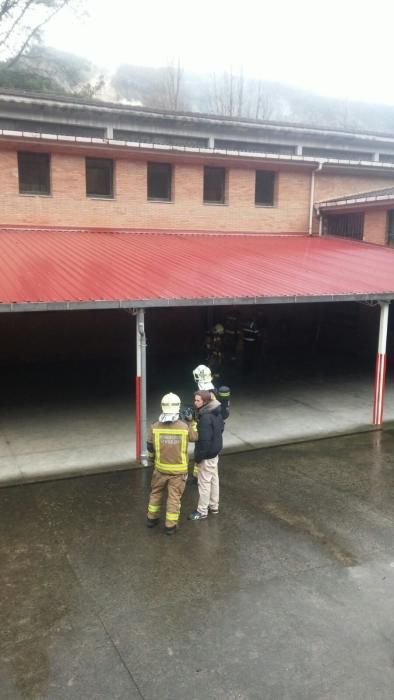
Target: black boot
[
  {"x": 152, "y": 522},
  {"x": 170, "y": 530}
]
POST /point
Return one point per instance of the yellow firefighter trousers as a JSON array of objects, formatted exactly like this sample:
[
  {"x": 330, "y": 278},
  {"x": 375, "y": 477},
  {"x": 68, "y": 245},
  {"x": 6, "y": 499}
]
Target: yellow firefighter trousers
[{"x": 175, "y": 487}]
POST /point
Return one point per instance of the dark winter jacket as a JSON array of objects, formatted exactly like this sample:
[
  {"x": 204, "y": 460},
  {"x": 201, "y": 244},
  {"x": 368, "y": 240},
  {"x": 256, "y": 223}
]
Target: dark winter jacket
[{"x": 210, "y": 431}]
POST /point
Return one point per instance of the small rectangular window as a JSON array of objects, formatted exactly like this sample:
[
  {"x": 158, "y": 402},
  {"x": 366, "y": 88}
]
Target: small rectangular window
[
  {"x": 159, "y": 181},
  {"x": 99, "y": 177},
  {"x": 344, "y": 225},
  {"x": 265, "y": 188},
  {"x": 214, "y": 185},
  {"x": 33, "y": 170},
  {"x": 390, "y": 227}
]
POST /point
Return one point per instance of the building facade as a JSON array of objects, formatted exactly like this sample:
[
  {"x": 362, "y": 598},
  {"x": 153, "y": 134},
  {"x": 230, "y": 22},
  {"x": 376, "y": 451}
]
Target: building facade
[
  {"x": 70, "y": 163},
  {"x": 74, "y": 172}
]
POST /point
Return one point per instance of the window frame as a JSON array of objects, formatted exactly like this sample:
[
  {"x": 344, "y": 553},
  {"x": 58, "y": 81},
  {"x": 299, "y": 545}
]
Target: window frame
[
  {"x": 272, "y": 202},
  {"x": 345, "y": 224},
  {"x": 111, "y": 163},
  {"x": 45, "y": 158},
  {"x": 390, "y": 228},
  {"x": 151, "y": 164},
  {"x": 224, "y": 185}
]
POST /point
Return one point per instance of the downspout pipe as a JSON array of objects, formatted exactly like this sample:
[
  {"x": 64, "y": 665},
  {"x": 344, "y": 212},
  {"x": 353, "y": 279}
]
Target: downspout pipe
[{"x": 312, "y": 195}]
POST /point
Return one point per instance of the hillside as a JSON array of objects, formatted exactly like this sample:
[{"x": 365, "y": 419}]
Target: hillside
[{"x": 48, "y": 70}]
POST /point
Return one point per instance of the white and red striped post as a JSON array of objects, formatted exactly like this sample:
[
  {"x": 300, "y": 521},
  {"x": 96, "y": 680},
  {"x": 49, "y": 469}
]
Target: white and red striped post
[
  {"x": 140, "y": 389},
  {"x": 138, "y": 392},
  {"x": 380, "y": 372}
]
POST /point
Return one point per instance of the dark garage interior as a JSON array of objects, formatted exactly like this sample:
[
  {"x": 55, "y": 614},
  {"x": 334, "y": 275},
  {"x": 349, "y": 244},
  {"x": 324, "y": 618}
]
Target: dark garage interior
[{"x": 53, "y": 355}]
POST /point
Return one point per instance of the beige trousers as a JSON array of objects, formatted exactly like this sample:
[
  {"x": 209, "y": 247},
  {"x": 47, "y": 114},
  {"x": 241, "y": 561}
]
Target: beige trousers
[
  {"x": 208, "y": 485},
  {"x": 175, "y": 484}
]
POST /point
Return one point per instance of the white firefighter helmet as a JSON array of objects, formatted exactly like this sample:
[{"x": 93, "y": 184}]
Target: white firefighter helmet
[
  {"x": 170, "y": 406},
  {"x": 218, "y": 329},
  {"x": 203, "y": 377}
]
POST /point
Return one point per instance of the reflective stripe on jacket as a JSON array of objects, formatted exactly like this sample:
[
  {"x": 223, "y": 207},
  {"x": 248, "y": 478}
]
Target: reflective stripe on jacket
[{"x": 167, "y": 445}]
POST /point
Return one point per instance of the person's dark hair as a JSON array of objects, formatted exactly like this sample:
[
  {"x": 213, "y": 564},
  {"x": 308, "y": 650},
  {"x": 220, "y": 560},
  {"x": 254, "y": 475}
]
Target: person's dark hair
[{"x": 205, "y": 395}]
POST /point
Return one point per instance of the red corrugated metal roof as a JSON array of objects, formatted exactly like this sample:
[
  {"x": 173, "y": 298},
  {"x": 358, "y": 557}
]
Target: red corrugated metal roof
[{"x": 59, "y": 265}]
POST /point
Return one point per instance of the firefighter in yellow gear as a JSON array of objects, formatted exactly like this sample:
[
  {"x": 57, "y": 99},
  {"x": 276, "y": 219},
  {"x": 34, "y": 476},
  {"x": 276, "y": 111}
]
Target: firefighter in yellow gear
[{"x": 168, "y": 440}]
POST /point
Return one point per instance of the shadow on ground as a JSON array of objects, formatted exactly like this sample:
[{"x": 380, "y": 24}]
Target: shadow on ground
[{"x": 287, "y": 594}]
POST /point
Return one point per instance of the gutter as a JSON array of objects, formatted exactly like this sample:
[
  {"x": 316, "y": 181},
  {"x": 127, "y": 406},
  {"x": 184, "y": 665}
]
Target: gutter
[
  {"x": 210, "y": 302},
  {"x": 13, "y": 136},
  {"x": 312, "y": 195},
  {"x": 352, "y": 201}
]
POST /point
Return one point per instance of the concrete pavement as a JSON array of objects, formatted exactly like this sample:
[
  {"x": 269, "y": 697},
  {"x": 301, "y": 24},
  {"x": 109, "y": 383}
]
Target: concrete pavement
[
  {"x": 64, "y": 434},
  {"x": 286, "y": 595}
]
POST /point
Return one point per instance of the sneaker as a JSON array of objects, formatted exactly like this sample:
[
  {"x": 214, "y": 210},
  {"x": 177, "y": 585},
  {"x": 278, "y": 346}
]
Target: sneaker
[
  {"x": 170, "y": 530},
  {"x": 196, "y": 515},
  {"x": 214, "y": 511},
  {"x": 152, "y": 522}
]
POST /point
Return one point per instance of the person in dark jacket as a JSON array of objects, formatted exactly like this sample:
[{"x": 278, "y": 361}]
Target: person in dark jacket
[
  {"x": 203, "y": 378},
  {"x": 210, "y": 427}
]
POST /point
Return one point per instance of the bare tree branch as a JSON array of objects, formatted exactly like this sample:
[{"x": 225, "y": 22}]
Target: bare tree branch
[
  {"x": 35, "y": 32},
  {"x": 172, "y": 84},
  {"x": 17, "y": 21},
  {"x": 262, "y": 102},
  {"x": 228, "y": 94},
  {"x": 6, "y": 7},
  {"x": 168, "y": 90},
  {"x": 21, "y": 22}
]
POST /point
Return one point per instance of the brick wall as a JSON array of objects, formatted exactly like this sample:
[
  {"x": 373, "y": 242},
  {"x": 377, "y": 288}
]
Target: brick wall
[
  {"x": 69, "y": 206},
  {"x": 329, "y": 185},
  {"x": 375, "y": 226}
]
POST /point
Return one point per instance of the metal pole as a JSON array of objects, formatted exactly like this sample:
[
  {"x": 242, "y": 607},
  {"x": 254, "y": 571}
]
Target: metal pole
[
  {"x": 144, "y": 426},
  {"x": 143, "y": 432},
  {"x": 138, "y": 390},
  {"x": 380, "y": 372}
]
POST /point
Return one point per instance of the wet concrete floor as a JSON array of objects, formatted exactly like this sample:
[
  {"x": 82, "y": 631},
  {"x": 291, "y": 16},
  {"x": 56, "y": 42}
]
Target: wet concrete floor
[{"x": 287, "y": 594}]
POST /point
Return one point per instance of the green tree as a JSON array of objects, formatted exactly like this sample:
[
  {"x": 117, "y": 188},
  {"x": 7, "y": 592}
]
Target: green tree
[{"x": 22, "y": 79}]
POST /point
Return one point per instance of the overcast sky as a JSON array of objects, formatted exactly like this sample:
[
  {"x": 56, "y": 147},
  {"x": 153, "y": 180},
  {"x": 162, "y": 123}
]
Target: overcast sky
[{"x": 340, "y": 48}]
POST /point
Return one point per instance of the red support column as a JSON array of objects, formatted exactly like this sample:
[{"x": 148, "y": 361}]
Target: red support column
[{"x": 380, "y": 372}]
